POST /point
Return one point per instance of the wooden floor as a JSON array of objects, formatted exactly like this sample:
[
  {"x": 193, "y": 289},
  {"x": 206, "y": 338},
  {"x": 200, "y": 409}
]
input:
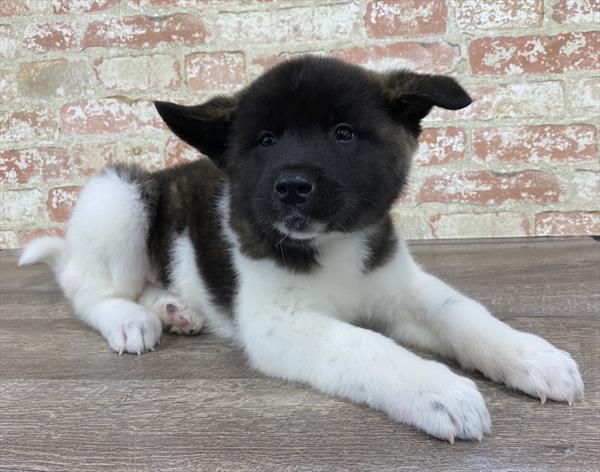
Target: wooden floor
[{"x": 67, "y": 403}]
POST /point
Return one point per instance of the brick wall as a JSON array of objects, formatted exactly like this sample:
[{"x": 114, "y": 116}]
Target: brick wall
[{"x": 77, "y": 79}]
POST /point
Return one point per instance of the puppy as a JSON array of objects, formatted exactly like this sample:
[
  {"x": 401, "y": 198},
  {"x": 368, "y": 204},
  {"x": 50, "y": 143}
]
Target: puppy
[{"x": 283, "y": 242}]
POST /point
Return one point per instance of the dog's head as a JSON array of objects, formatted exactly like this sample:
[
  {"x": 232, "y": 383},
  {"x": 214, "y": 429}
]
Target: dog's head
[{"x": 315, "y": 145}]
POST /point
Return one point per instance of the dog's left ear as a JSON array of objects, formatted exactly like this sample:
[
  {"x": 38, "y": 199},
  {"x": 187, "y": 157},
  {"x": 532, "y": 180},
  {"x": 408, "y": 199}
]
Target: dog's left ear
[
  {"x": 206, "y": 126},
  {"x": 411, "y": 96}
]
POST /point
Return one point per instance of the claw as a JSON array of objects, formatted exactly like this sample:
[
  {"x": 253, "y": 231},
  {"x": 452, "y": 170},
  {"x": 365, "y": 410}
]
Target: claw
[
  {"x": 451, "y": 439},
  {"x": 151, "y": 349},
  {"x": 570, "y": 402},
  {"x": 139, "y": 353},
  {"x": 542, "y": 398},
  {"x": 121, "y": 352},
  {"x": 479, "y": 437}
]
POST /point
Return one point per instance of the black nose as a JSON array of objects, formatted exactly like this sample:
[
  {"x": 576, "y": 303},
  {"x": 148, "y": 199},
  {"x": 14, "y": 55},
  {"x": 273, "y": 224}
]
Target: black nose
[{"x": 294, "y": 189}]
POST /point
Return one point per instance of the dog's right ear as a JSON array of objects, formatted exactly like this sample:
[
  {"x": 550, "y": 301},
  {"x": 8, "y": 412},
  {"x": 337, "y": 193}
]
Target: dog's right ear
[{"x": 206, "y": 126}]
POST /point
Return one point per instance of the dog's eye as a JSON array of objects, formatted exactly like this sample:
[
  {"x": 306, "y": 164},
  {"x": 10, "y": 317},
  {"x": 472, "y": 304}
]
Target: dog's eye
[
  {"x": 266, "y": 139},
  {"x": 344, "y": 133}
]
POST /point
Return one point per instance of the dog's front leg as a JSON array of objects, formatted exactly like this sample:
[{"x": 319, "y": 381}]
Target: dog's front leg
[
  {"x": 364, "y": 366},
  {"x": 427, "y": 313}
]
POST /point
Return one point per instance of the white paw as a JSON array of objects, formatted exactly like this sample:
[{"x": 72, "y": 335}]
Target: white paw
[
  {"x": 181, "y": 319},
  {"x": 538, "y": 368},
  {"x": 134, "y": 332},
  {"x": 447, "y": 406}
]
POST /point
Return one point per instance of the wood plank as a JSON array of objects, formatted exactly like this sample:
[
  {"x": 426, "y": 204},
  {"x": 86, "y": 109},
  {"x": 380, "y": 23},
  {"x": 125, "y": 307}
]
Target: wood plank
[{"x": 68, "y": 403}]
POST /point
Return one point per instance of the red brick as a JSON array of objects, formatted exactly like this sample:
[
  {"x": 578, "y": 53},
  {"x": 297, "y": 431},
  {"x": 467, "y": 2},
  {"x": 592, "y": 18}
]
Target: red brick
[
  {"x": 440, "y": 146},
  {"x": 405, "y": 17},
  {"x": 489, "y": 188},
  {"x": 140, "y": 32},
  {"x": 9, "y": 45},
  {"x": 82, "y": 6},
  {"x": 27, "y": 124},
  {"x": 61, "y": 201},
  {"x": 109, "y": 115},
  {"x": 46, "y": 37},
  {"x": 34, "y": 165},
  {"x": 432, "y": 58},
  {"x": 541, "y": 143},
  {"x": 498, "y": 14},
  {"x": 218, "y": 71},
  {"x": 177, "y": 152},
  {"x": 568, "y": 223},
  {"x": 576, "y": 11},
  {"x": 140, "y": 73},
  {"x": 28, "y": 235},
  {"x": 535, "y": 54}
]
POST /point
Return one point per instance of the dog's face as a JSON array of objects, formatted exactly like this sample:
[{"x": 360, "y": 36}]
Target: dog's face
[{"x": 315, "y": 145}]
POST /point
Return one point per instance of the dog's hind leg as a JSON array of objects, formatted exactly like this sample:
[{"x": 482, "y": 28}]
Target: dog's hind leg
[
  {"x": 105, "y": 264},
  {"x": 173, "y": 313}
]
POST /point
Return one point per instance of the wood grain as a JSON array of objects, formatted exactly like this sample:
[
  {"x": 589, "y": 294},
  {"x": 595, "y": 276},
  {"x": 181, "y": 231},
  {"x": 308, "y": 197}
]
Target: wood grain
[{"x": 68, "y": 403}]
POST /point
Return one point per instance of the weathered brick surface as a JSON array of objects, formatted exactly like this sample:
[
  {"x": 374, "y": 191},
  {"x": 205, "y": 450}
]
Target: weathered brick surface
[
  {"x": 584, "y": 95},
  {"x": 21, "y": 207},
  {"x": 140, "y": 32},
  {"x": 89, "y": 158},
  {"x": 535, "y": 144},
  {"x": 535, "y": 54},
  {"x": 139, "y": 73},
  {"x": 34, "y": 165},
  {"x": 61, "y": 201},
  {"x": 9, "y": 44},
  {"x": 23, "y": 7},
  {"x": 512, "y": 100},
  {"x": 9, "y": 240},
  {"x": 293, "y": 25},
  {"x": 576, "y": 11},
  {"x": 584, "y": 187},
  {"x": 78, "y": 78},
  {"x": 8, "y": 86},
  {"x": 569, "y": 223},
  {"x": 498, "y": 14},
  {"x": 440, "y": 146},
  {"x": 484, "y": 225},
  {"x": 28, "y": 124},
  {"x": 47, "y": 37},
  {"x": 436, "y": 58},
  {"x": 385, "y": 18},
  {"x": 82, "y": 6},
  {"x": 490, "y": 189},
  {"x": 109, "y": 115},
  {"x": 221, "y": 71},
  {"x": 29, "y": 234},
  {"x": 178, "y": 152},
  {"x": 54, "y": 78}
]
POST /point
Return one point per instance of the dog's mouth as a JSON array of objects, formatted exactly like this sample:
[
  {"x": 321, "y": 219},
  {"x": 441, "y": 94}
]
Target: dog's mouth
[{"x": 299, "y": 227}]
